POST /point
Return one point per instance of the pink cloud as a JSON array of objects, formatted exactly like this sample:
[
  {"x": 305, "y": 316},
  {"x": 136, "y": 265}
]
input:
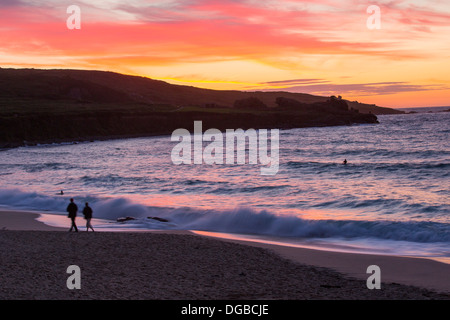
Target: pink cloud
[
  {"x": 326, "y": 88},
  {"x": 208, "y": 30},
  {"x": 207, "y": 39}
]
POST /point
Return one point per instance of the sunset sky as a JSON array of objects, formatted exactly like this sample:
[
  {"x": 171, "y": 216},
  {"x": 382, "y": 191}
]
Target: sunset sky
[{"x": 322, "y": 47}]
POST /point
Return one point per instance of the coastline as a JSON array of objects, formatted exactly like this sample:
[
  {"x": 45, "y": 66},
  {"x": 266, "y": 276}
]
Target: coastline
[
  {"x": 7, "y": 145},
  {"x": 58, "y": 141},
  {"x": 334, "y": 275},
  {"x": 93, "y": 112}
]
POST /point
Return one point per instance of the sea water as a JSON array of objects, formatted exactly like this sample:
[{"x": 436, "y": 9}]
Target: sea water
[{"x": 391, "y": 197}]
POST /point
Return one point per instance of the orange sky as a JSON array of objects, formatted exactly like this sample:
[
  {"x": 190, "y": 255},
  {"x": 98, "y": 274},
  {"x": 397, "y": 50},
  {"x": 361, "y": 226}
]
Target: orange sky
[{"x": 320, "y": 47}]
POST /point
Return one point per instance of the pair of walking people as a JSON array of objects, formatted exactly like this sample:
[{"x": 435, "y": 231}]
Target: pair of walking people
[{"x": 72, "y": 209}]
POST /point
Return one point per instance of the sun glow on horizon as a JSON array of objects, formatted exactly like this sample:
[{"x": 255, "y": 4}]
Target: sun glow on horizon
[{"x": 320, "y": 47}]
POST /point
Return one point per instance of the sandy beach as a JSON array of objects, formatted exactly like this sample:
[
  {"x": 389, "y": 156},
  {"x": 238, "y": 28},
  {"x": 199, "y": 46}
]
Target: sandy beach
[{"x": 182, "y": 266}]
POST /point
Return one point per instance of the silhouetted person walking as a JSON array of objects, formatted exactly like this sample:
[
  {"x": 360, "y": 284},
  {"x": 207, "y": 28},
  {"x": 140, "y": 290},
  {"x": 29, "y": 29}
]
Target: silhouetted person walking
[
  {"x": 87, "y": 211},
  {"x": 72, "y": 210}
]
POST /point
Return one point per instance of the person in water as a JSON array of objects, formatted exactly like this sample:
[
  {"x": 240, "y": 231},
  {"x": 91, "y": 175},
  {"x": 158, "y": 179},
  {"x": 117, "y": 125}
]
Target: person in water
[
  {"x": 345, "y": 161},
  {"x": 87, "y": 211},
  {"x": 72, "y": 210}
]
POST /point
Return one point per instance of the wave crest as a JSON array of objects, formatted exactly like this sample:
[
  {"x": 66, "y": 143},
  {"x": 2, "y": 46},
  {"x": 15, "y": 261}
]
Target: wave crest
[{"x": 240, "y": 220}]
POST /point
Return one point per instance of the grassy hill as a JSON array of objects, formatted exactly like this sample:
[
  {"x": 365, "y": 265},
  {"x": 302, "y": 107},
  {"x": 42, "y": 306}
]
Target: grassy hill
[
  {"x": 83, "y": 86},
  {"x": 60, "y": 105}
]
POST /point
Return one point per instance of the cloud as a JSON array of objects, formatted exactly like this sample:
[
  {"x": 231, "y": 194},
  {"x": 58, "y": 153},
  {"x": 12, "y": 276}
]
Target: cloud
[
  {"x": 11, "y": 3},
  {"x": 209, "y": 29},
  {"x": 281, "y": 84},
  {"x": 183, "y": 41},
  {"x": 359, "y": 89}
]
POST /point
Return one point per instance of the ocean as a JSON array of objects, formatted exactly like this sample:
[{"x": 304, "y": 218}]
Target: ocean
[{"x": 392, "y": 196}]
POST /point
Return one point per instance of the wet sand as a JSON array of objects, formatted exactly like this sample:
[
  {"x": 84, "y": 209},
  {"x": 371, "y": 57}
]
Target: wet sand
[{"x": 182, "y": 266}]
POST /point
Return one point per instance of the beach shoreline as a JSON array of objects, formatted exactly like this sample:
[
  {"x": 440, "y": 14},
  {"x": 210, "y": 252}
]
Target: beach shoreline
[{"x": 343, "y": 270}]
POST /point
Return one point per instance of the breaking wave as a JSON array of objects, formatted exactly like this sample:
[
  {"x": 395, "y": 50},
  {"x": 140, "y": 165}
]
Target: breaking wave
[{"x": 239, "y": 220}]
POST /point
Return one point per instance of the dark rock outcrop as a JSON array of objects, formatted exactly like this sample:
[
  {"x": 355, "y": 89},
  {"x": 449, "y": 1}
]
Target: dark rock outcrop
[
  {"x": 86, "y": 126},
  {"x": 158, "y": 219},
  {"x": 125, "y": 219}
]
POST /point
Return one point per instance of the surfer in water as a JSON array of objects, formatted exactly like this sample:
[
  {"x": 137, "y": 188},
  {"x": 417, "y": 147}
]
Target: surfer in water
[{"x": 345, "y": 161}]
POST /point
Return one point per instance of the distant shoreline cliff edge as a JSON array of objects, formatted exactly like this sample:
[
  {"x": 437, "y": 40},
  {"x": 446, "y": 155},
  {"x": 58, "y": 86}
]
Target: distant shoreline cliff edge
[{"x": 53, "y": 106}]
